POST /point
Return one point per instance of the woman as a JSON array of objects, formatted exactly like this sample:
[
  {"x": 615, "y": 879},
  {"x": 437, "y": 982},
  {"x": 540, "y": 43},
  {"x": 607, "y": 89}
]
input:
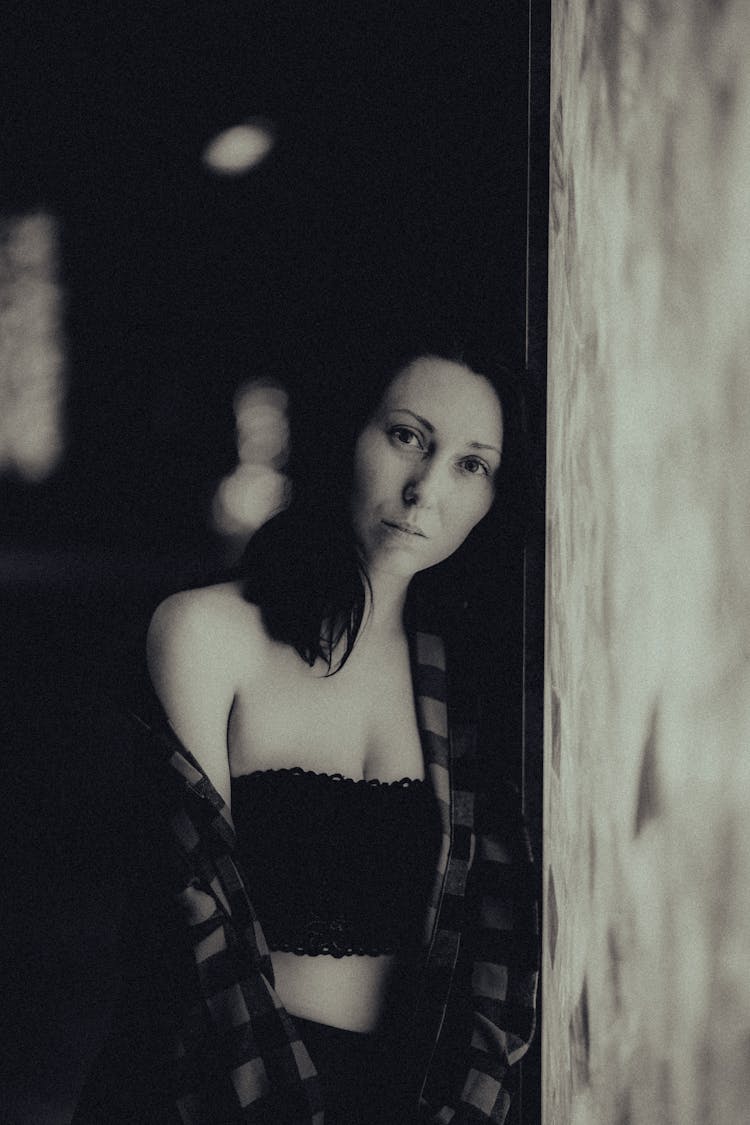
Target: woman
[{"x": 368, "y": 963}]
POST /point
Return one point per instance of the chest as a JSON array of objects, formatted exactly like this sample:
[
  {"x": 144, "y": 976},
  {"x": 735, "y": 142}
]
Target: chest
[{"x": 360, "y": 722}]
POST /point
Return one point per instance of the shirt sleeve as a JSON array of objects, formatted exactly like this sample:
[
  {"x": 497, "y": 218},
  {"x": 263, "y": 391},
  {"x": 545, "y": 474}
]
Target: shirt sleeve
[
  {"x": 490, "y": 1018},
  {"x": 237, "y": 1055},
  {"x": 237, "y": 1050}
]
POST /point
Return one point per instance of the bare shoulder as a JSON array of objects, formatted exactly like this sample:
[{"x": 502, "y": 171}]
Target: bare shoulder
[
  {"x": 200, "y": 644},
  {"x": 212, "y": 626}
]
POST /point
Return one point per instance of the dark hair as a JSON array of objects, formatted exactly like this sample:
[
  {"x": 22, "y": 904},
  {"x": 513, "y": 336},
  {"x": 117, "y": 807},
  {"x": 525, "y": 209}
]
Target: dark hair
[{"x": 303, "y": 569}]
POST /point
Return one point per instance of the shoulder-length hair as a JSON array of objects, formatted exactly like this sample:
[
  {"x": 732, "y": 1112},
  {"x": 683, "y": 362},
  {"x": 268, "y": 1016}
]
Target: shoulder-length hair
[{"x": 303, "y": 568}]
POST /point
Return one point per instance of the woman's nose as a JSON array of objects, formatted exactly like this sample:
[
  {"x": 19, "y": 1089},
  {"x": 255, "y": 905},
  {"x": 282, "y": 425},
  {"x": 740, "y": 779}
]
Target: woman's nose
[
  {"x": 411, "y": 493},
  {"x": 419, "y": 488}
]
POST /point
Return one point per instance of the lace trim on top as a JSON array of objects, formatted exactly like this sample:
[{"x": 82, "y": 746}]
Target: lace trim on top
[
  {"x": 299, "y": 771},
  {"x": 337, "y": 865}
]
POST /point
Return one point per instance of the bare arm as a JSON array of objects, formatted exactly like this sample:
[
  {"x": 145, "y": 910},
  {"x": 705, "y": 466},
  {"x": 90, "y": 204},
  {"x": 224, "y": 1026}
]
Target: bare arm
[
  {"x": 189, "y": 651},
  {"x": 199, "y": 645}
]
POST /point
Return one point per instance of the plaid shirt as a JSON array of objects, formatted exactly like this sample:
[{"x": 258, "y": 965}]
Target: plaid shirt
[{"x": 238, "y": 1054}]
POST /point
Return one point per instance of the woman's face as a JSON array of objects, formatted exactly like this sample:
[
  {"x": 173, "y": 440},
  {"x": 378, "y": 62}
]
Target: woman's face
[{"x": 425, "y": 466}]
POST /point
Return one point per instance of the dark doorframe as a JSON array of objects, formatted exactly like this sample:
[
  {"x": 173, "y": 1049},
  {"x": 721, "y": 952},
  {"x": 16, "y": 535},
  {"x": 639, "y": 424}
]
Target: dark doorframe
[{"x": 529, "y": 1103}]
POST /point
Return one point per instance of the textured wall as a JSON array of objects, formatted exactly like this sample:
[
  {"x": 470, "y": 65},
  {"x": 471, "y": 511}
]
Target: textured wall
[{"x": 647, "y": 702}]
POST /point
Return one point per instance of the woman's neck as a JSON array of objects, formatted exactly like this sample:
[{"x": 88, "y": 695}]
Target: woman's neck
[
  {"x": 383, "y": 618},
  {"x": 384, "y": 604}
]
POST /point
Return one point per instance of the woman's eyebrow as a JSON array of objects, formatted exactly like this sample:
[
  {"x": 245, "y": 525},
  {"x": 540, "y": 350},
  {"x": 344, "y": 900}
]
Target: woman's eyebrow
[
  {"x": 482, "y": 445},
  {"x": 429, "y": 426},
  {"x": 422, "y": 421}
]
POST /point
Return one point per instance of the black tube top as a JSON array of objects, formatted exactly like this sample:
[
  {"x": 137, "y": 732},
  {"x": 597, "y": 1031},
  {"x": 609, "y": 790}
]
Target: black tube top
[{"x": 334, "y": 865}]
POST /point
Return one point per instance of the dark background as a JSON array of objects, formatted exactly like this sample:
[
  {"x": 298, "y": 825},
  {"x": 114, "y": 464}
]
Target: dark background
[{"x": 397, "y": 201}]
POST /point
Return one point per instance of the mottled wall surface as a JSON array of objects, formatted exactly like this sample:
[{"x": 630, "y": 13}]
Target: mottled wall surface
[{"x": 647, "y": 708}]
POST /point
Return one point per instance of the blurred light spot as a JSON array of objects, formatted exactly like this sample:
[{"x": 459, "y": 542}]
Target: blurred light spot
[
  {"x": 31, "y": 352},
  {"x": 240, "y": 148},
  {"x": 262, "y": 424},
  {"x": 247, "y": 498},
  {"x": 257, "y": 488}
]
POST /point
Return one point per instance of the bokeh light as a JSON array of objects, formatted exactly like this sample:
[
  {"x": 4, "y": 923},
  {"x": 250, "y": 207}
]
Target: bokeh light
[
  {"x": 31, "y": 351},
  {"x": 238, "y": 149},
  {"x": 257, "y": 488}
]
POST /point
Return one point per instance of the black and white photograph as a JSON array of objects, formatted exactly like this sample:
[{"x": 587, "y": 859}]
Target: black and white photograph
[{"x": 374, "y": 476}]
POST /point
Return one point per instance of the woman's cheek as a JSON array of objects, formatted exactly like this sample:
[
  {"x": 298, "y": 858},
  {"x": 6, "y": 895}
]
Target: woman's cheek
[{"x": 476, "y": 513}]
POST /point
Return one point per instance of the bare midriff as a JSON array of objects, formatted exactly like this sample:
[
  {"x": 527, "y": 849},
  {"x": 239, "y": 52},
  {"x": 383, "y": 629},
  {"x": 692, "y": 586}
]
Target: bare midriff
[{"x": 346, "y": 992}]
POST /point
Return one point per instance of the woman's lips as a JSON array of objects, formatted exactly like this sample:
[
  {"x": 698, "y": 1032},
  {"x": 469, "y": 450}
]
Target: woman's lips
[{"x": 404, "y": 528}]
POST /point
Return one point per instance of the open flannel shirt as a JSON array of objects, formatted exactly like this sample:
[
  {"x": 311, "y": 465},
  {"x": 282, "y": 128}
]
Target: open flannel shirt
[{"x": 237, "y": 1052}]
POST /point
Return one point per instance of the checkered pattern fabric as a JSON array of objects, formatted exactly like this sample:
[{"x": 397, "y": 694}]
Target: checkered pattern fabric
[
  {"x": 476, "y": 1012},
  {"x": 238, "y": 1056}
]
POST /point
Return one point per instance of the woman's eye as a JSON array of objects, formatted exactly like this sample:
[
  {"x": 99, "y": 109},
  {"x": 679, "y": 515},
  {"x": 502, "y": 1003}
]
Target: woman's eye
[
  {"x": 474, "y": 466},
  {"x": 405, "y": 436}
]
